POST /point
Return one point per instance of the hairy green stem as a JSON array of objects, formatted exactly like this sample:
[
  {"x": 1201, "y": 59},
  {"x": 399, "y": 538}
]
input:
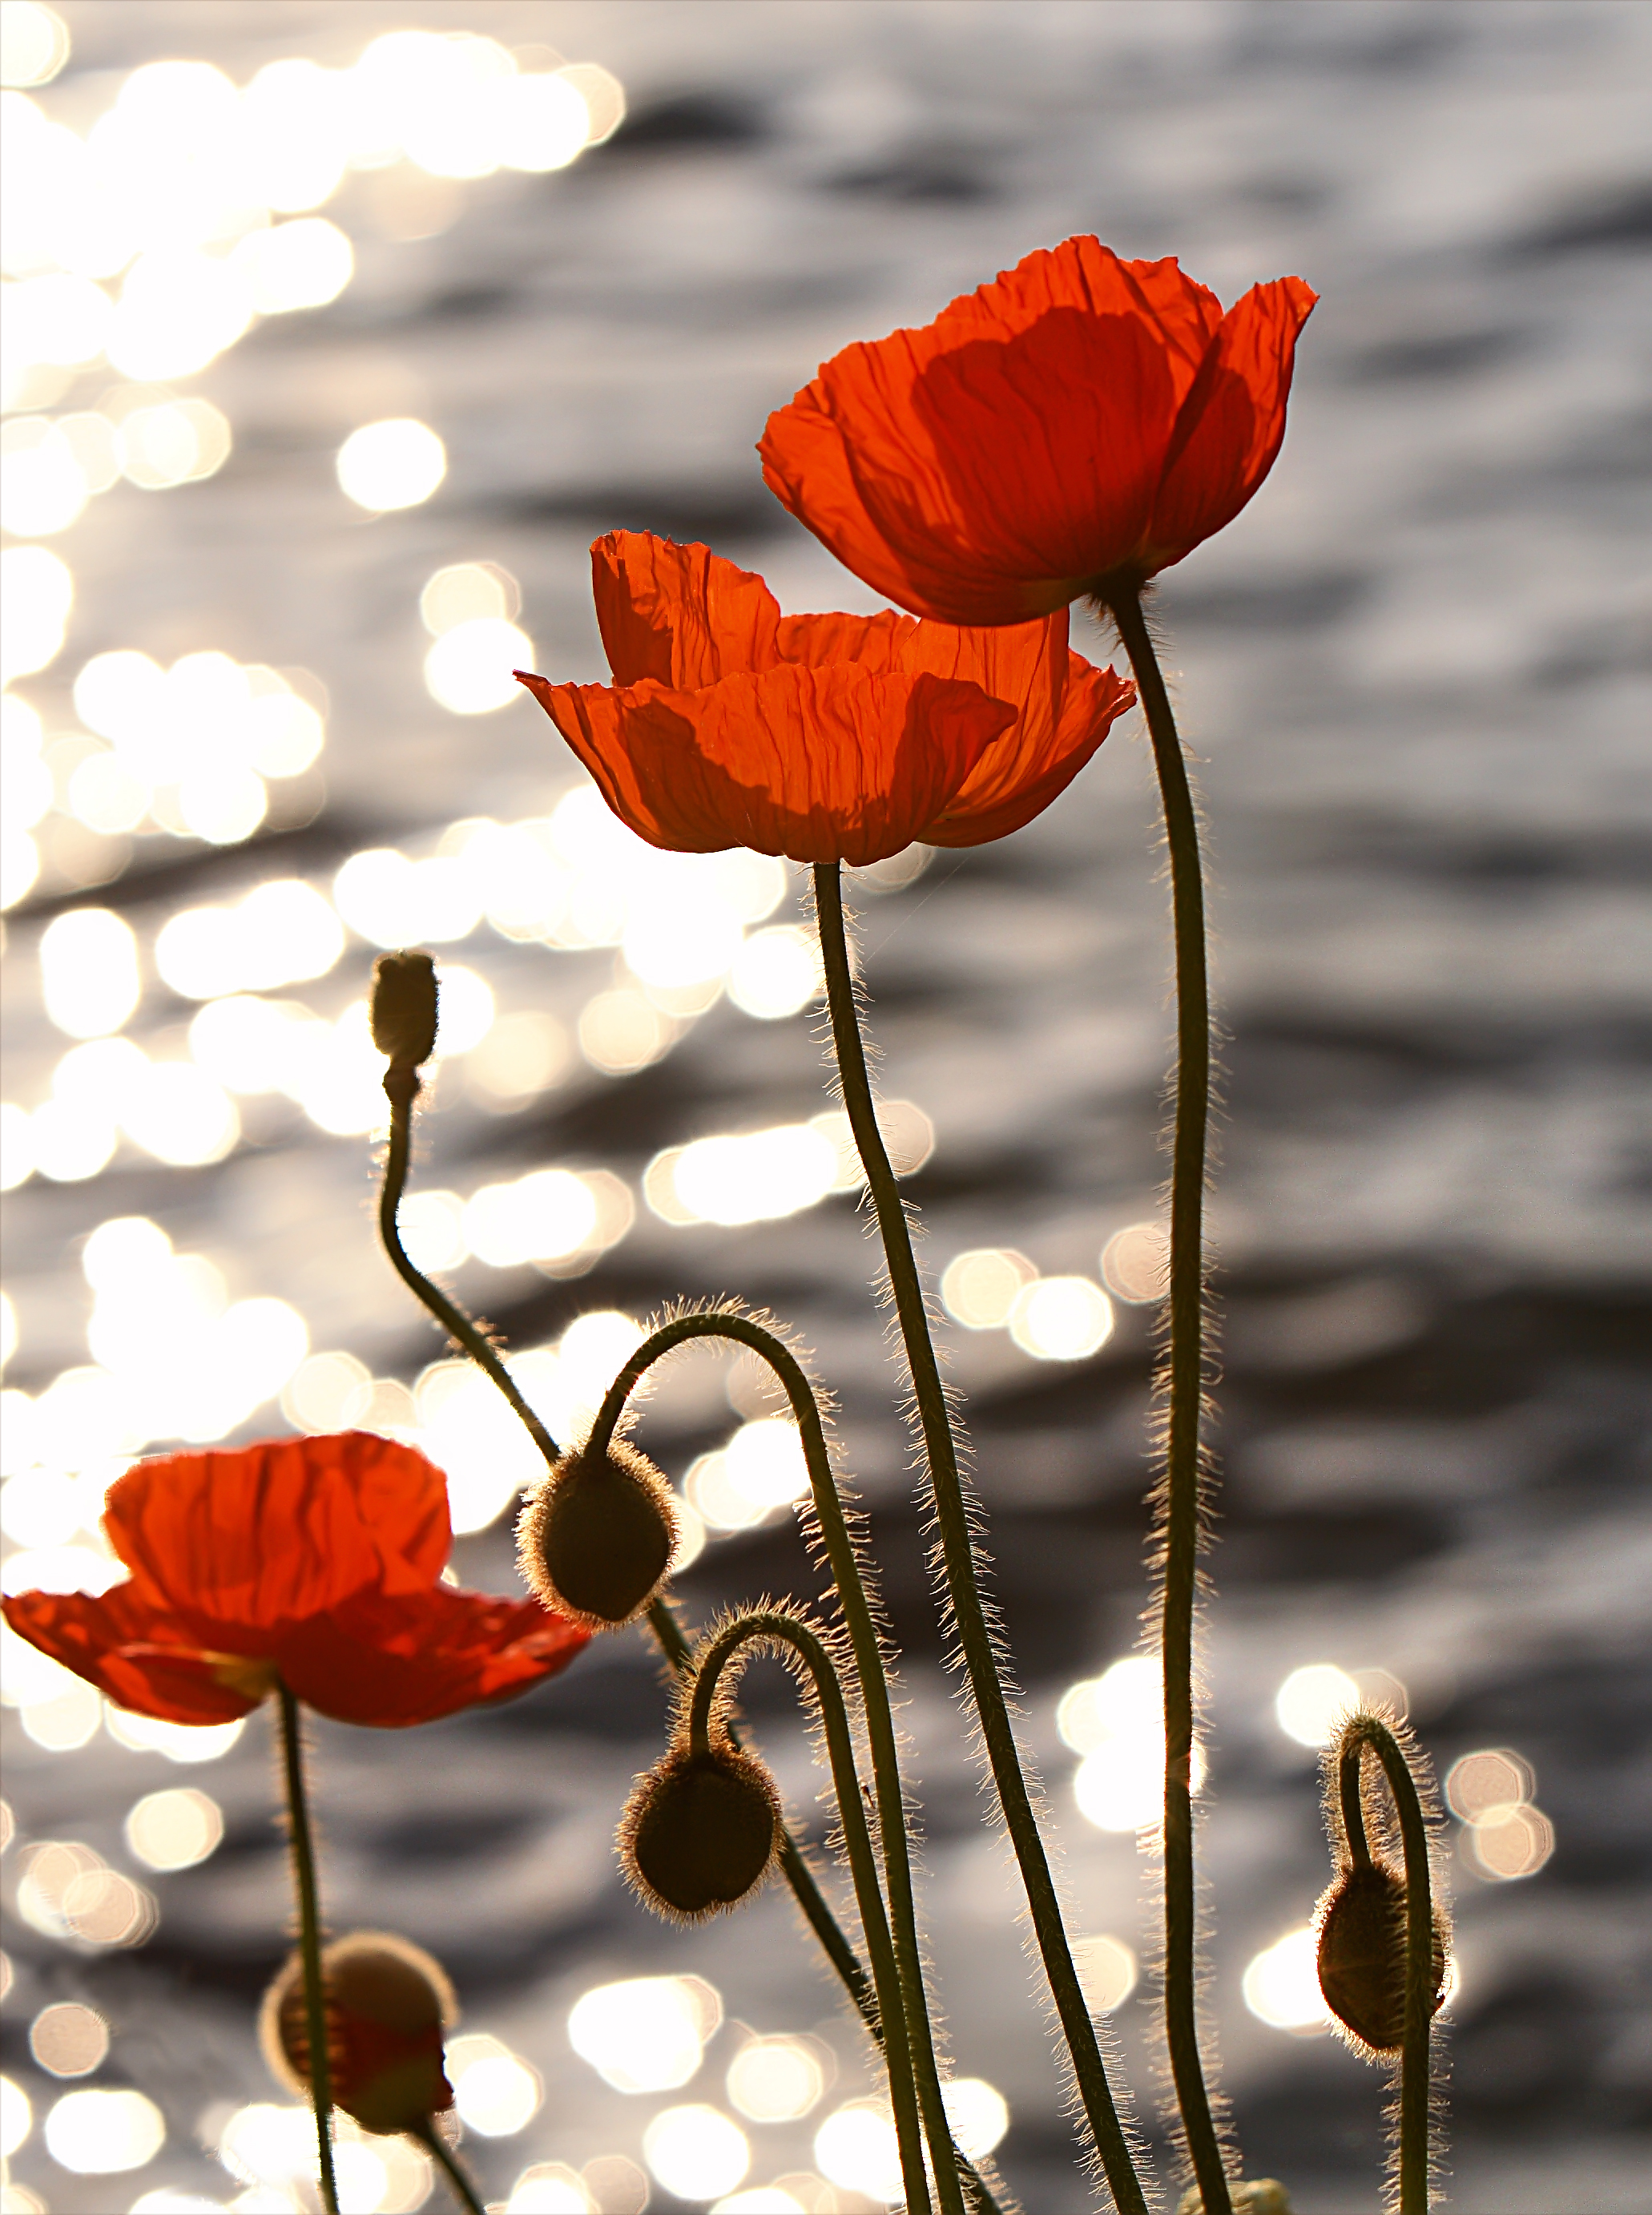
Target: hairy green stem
[
  {"x": 320, "y": 2070},
  {"x": 798, "y": 1876},
  {"x": 1181, "y": 1506},
  {"x": 729, "y": 1646},
  {"x": 442, "y": 2154},
  {"x": 958, "y": 1544},
  {"x": 852, "y": 1598},
  {"x": 1415, "y": 2079}
]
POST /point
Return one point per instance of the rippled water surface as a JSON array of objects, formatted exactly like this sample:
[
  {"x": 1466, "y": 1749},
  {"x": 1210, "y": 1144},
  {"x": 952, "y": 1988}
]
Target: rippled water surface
[{"x": 1415, "y": 673}]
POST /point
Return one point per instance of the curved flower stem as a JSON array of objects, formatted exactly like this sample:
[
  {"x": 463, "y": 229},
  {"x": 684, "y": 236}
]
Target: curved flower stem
[
  {"x": 1368, "y": 1733},
  {"x": 320, "y": 2070},
  {"x": 870, "y": 1669},
  {"x": 1181, "y": 1504},
  {"x": 402, "y": 1089},
  {"x": 771, "y": 1627},
  {"x": 440, "y": 2152},
  {"x": 952, "y": 1517}
]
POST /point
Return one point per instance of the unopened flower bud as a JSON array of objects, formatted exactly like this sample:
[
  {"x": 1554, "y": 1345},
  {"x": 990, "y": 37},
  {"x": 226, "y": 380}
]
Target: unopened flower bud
[
  {"x": 387, "y": 2007},
  {"x": 404, "y": 1008},
  {"x": 597, "y": 1538},
  {"x": 1362, "y": 1955},
  {"x": 699, "y": 1831}
]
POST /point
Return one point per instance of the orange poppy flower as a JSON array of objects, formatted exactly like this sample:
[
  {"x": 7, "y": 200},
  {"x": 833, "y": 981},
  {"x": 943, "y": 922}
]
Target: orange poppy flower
[
  {"x": 1076, "y": 426},
  {"x": 829, "y": 738},
  {"x": 316, "y": 1562}
]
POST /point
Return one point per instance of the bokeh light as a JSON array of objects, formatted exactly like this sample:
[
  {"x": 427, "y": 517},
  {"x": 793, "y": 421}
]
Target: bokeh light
[
  {"x": 497, "y": 2093},
  {"x": 1509, "y": 1842},
  {"x": 856, "y": 2147},
  {"x": 469, "y": 669},
  {"x": 980, "y": 1288},
  {"x": 1482, "y": 1785},
  {"x": 1061, "y": 1319},
  {"x": 778, "y": 2080},
  {"x": 1313, "y": 1700},
  {"x": 33, "y": 43},
  {"x": 646, "y": 2034},
  {"x": 36, "y": 594},
  {"x": 1107, "y": 1971},
  {"x": 978, "y": 2113},
  {"x": 776, "y": 973},
  {"x": 1280, "y": 1985},
  {"x": 696, "y": 2151},
  {"x": 89, "y": 976},
  {"x": 394, "y": 464},
  {"x": 1115, "y": 1721},
  {"x": 68, "y": 2038},
  {"x": 16, "y": 2117},
  {"x": 1135, "y": 1264},
  {"x": 175, "y": 1829}
]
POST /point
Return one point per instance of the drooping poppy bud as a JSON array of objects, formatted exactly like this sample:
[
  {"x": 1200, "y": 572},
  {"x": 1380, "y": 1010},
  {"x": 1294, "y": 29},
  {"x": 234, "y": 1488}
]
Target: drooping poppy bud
[
  {"x": 700, "y": 1831},
  {"x": 596, "y": 1537},
  {"x": 388, "y": 2005},
  {"x": 404, "y": 1008},
  {"x": 1361, "y": 1920}
]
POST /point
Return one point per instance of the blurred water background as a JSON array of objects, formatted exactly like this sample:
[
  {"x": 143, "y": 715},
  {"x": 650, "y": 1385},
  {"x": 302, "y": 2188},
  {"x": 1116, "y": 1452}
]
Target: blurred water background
[{"x": 259, "y": 724}]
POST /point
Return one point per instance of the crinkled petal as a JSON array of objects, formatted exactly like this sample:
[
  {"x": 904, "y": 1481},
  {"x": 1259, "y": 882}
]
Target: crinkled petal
[
  {"x": 821, "y": 765},
  {"x": 130, "y": 1648},
  {"x": 990, "y": 466},
  {"x": 679, "y": 614},
  {"x": 230, "y": 1542},
  {"x": 390, "y": 1663},
  {"x": 992, "y": 804}
]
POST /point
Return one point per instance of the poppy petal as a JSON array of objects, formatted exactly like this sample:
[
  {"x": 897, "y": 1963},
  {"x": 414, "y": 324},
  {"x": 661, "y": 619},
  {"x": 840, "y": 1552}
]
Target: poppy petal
[
  {"x": 991, "y": 804},
  {"x": 128, "y": 1648},
  {"x": 391, "y": 1663},
  {"x": 821, "y": 765},
  {"x": 232, "y": 1541},
  {"x": 1232, "y": 422},
  {"x": 679, "y": 614}
]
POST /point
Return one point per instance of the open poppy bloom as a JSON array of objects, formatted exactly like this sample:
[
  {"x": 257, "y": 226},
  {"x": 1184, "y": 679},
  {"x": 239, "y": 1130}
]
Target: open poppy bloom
[
  {"x": 1073, "y": 427},
  {"x": 830, "y": 738},
  {"x": 313, "y": 1562}
]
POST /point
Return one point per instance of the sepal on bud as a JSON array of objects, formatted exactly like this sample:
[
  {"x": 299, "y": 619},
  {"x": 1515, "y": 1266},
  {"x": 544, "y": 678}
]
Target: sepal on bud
[
  {"x": 388, "y": 2005},
  {"x": 1361, "y": 1954},
  {"x": 701, "y": 1831},
  {"x": 596, "y": 1537},
  {"x": 403, "y": 1013}
]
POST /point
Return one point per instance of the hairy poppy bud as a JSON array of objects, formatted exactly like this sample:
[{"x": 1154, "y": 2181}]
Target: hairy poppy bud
[
  {"x": 1262, "y": 2195},
  {"x": 1362, "y": 1955},
  {"x": 700, "y": 1831},
  {"x": 404, "y": 1008},
  {"x": 597, "y": 1536},
  {"x": 388, "y": 2006}
]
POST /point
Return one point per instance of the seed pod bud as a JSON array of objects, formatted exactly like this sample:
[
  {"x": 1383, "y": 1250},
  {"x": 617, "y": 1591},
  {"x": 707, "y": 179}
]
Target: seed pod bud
[
  {"x": 388, "y": 2006},
  {"x": 1361, "y": 1922},
  {"x": 404, "y": 1008},
  {"x": 597, "y": 1538},
  {"x": 699, "y": 1831}
]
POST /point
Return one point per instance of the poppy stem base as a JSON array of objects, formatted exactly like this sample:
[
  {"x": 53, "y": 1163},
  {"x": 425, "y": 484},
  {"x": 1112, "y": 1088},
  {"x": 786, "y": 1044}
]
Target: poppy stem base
[
  {"x": 310, "y": 1940},
  {"x": 960, "y": 1544},
  {"x": 1180, "y": 1500},
  {"x": 442, "y": 2154}
]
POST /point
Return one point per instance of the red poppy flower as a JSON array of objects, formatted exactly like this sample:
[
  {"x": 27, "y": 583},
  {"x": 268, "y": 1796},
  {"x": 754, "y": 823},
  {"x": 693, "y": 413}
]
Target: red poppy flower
[
  {"x": 826, "y": 738},
  {"x": 314, "y": 1560},
  {"x": 1076, "y": 426}
]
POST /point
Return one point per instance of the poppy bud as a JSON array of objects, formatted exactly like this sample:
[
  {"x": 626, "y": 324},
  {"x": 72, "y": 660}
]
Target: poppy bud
[
  {"x": 387, "y": 2007},
  {"x": 404, "y": 1008},
  {"x": 597, "y": 1536},
  {"x": 1362, "y": 1955},
  {"x": 700, "y": 1831}
]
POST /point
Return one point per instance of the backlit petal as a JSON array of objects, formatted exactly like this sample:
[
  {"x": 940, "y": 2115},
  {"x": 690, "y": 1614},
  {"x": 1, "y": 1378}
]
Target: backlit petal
[
  {"x": 129, "y": 1647},
  {"x": 390, "y": 1663},
  {"x": 679, "y": 614}
]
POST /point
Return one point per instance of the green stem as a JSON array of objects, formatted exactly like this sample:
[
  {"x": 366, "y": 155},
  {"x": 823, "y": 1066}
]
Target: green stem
[
  {"x": 440, "y": 2152},
  {"x": 1415, "y": 2080},
  {"x": 731, "y": 1646},
  {"x": 870, "y": 1670},
  {"x": 793, "y": 1863},
  {"x": 1181, "y": 1504},
  {"x": 320, "y": 2070},
  {"x": 959, "y": 1543}
]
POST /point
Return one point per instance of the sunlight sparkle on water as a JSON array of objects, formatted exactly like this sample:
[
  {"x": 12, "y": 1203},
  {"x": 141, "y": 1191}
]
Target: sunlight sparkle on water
[
  {"x": 496, "y": 2092},
  {"x": 175, "y": 1829},
  {"x": 1281, "y": 1985},
  {"x": 646, "y": 2033},
  {"x": 69, "y": 2040},
  {"x": 696, "y": 2151},
  {"x": 1313, "y": 1702},
  {"x": 396, "y": 464},
  {"x": 777, "y": 2080},
  {"x": 1115, "y": 1721},
  {"x": 979, "y": 1288}
]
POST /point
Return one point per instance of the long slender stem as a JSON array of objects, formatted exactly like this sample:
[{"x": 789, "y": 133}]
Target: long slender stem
[
  {"x": 952, "y": 1517},
  {"x": 440, "y": 2152},
  {"x": 772, "y": 1626},
  {"x": 458, "y": 1326},
  {"x": 1181, "y": 1503},
  {"x": 849, "y": 1581},
  {"x": 1417, "y": 2063},
  {"x": 303, "y": 1843}
]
